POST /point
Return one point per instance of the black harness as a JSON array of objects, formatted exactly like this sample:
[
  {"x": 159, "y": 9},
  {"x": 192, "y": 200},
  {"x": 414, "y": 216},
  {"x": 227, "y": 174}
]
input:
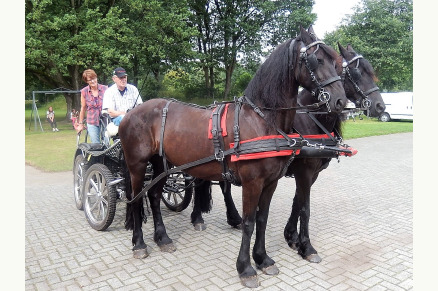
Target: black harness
[{"x": 276, "y": 144}]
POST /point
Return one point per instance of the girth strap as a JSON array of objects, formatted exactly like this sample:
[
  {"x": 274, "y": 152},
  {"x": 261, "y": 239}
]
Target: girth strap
[
  {"x": 218, "y": 143},
  {"x": 163, "y": 123},
  {"x": 236, "y": 127}
]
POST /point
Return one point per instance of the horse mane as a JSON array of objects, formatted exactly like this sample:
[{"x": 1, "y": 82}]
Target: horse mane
[
  {"x": 369, "y": 69},
  {"x": 270, "y": 86}
]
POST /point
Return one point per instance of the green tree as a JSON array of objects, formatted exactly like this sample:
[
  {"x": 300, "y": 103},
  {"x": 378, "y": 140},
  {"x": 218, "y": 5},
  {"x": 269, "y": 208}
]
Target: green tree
[
  {"x": 161, "y": 39},
  {"x": 63, "y": 38},
  {"x": 383, "y": 32},
  {"x": 227, "y": 28}
]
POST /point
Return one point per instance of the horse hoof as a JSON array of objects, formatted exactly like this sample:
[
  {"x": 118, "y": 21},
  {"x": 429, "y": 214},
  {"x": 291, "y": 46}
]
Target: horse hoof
[
  {"x": 314, "y": 258},
  {"x": 239, "y": 226},
  {"x": 293, "y": 246},
  {"x": 200, "y": 226},
  {"x": 250, "y": 282},
  {"x": 140, "y": 254},
  {"x": 169, "y": 248},
  {"x": 270, "y": 270}
]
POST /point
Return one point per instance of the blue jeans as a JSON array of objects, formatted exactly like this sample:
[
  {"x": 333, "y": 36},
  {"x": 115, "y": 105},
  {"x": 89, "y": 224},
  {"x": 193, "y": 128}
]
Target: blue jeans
[
  {"x": 94, "y": 133},
  {"x": 118, "y": 119}
]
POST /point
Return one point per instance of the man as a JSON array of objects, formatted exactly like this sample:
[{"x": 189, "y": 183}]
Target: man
[{"x": 120, "y": 97}]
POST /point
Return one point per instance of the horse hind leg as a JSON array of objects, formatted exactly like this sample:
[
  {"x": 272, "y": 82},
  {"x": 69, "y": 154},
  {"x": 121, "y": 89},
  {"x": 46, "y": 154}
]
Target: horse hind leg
[
  {"x": 233, "y": 217},
  {"x": 201, "y": 203},
  {"x": 154, "y": 194},
  {"x": 135, "y": 214}
]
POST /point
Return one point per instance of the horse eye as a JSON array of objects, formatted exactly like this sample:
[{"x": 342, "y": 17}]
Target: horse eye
[{"x": 321, "y": 61}]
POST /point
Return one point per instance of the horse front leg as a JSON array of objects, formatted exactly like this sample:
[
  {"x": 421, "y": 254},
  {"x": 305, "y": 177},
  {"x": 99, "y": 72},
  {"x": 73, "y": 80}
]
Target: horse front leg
[
  {"x": 290, "y": 231},
  {"x": 304, "y": 181},
  {"x": 262, "y": 260},
  {"x": 233, "y": 217},
  {"x": 250, "y": 197}
]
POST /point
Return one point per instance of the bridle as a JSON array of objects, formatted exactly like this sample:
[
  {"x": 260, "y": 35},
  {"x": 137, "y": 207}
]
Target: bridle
[
  {"x": 311, "y": 63},
  {"x": 354, "y": 76}
]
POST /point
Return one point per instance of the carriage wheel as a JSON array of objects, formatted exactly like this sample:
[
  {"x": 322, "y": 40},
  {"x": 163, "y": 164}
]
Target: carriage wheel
[
  {"x": 178, "y": 191},
  {"x": 99, "y": 197},
  {"x": 79, "y": 169}
]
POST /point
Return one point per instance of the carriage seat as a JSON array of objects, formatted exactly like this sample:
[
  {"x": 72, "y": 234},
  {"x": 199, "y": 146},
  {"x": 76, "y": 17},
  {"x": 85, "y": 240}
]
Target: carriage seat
[{"x": 92, "y": 146}]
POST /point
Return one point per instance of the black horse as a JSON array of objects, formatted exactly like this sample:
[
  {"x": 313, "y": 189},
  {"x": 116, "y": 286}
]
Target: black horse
[
  {"x": 359, "y": 83},
  {"x": 162, "y": 129}
]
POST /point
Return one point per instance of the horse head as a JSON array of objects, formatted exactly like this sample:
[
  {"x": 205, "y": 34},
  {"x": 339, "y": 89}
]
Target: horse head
[
  {"x": 359, "y": 82},
  {"x": 313, "y": 65}
]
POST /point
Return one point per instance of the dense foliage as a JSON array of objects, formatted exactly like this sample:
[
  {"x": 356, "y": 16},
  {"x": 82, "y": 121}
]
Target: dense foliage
[
  {"x": 382, "y": 31},
  {"x": 196, "y": 48}
]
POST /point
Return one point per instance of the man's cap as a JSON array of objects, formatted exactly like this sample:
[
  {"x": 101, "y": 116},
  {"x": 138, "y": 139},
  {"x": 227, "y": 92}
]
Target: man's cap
[{"x": 120, "y": 72}]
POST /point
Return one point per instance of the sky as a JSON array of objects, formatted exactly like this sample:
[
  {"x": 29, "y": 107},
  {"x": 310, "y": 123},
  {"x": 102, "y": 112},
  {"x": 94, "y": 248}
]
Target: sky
[{"x": 330, "y": 14}]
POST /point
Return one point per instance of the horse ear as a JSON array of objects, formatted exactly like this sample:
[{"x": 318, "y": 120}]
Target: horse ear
[
  {"x": 342, "y": 50},
  {"x": 312, "y": 32},
  {"x": 350, "y": 48},
  {"x": 305, "y": 36}
]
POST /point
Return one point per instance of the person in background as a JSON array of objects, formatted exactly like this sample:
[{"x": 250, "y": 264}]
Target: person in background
[
  {"x": 51, "y": 119},
  {"x": 73, "y": 117},
  {"x": 91, "y": 103},
  {"x": 120, "y": 97}
]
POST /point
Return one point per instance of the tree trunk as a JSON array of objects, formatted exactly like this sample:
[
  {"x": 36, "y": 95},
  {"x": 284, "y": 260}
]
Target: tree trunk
[{"x": 228, "y": 74}]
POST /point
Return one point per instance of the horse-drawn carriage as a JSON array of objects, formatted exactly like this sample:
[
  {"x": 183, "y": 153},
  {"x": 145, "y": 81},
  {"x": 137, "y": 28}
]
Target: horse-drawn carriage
[
  {"x": 101, "y": 180},
  {"x": 255, "y": 154}
]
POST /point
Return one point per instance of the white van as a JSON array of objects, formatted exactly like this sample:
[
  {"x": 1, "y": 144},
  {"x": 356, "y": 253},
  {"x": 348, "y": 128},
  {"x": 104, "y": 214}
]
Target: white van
[{"x": 398, "y": 106}]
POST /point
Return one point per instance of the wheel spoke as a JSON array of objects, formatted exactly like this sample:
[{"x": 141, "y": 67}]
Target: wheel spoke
[
  {"x": 94, "y": 205},
  {"x": 94, "y": 185},
  {"x": 175, "y": 199},
  {"x": 102, "y": 209}
]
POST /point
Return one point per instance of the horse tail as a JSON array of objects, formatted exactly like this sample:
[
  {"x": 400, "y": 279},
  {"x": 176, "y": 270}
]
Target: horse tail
[
  {"x": 129, "y": 220},
  {"x": 203, "y": 194},
  {"x": 130, "y": 211}
]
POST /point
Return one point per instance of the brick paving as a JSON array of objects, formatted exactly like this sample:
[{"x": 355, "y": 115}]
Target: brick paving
[{"x": 361, "y": 224}]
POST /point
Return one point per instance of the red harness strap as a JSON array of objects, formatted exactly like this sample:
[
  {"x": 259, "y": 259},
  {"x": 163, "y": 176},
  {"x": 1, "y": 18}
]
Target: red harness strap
[{"x": 223, "y": 122}]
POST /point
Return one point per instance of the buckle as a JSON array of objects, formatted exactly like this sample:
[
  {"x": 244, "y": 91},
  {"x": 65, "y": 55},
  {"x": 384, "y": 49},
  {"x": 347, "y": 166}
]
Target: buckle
[{"x": 219, "y": 156}]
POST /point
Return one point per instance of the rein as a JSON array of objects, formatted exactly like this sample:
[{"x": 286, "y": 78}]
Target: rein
[{"x": 323, "y": 97}]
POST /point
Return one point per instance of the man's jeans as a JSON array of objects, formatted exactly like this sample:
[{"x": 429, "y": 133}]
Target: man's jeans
[{"x": 118, "y": 119}]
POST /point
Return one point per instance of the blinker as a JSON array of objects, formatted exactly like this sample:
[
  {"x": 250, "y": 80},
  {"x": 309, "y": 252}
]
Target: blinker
[
  {"x": 313, "y": 62},
  {"x": 355, "y": 74}
]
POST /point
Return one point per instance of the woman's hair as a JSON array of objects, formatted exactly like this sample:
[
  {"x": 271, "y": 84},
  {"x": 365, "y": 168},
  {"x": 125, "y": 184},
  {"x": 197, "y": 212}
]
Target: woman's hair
[{"x": 89, "y": 73}]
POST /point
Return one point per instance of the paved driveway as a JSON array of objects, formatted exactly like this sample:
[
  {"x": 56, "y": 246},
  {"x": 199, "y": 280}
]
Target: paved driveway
[{"x": 361, "y": 225}]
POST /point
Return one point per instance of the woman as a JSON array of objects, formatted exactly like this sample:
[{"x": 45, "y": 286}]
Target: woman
[
  {"x": 91, "y": 102},
  {"x": 51, "y": 119}
]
